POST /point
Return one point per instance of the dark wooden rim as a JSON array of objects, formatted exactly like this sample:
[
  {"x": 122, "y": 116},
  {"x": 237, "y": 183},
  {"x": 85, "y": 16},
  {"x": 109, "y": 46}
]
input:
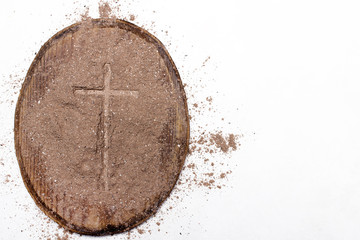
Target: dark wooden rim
[{"x": 174, "y": 74}]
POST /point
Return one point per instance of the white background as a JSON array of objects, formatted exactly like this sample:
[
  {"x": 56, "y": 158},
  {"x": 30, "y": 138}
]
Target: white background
[{"x": 285, "y": 74}]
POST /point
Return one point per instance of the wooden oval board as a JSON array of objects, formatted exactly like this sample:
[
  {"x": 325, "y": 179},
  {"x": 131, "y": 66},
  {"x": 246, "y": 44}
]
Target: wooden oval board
[{"x": 101, "y": 127}]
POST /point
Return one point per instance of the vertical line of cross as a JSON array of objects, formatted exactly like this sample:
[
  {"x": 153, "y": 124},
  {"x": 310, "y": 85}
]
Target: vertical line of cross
[{"x": 106, "y": 92}]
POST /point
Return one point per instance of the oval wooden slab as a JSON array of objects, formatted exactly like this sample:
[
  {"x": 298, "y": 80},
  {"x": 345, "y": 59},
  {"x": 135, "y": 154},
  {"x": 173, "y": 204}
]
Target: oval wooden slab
[{"x": 101, "y": 127}]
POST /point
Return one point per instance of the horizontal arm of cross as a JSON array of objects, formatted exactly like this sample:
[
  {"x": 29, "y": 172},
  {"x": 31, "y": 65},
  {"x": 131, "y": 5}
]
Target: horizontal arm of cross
[{"x": 110, "y": 92}]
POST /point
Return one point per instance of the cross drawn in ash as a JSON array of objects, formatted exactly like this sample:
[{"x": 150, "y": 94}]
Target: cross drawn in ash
[{"x": 106, "y": 92}]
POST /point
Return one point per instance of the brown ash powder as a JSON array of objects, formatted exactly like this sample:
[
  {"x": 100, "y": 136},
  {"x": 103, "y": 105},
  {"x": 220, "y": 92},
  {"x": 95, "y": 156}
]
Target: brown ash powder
[
  {"x": 140, "y": 231},
  {"x": 104, "y": 9},
  {"x": 208, "y": 164},
  {"x": 219, "y": 142},
  {"x": 214, "y": 142},
  {"x": 132, "y": 17},
  {"x": 60, "y": 124},
  {"x": 62, "y": 237},
  {"x": 232, "y": 141}
]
